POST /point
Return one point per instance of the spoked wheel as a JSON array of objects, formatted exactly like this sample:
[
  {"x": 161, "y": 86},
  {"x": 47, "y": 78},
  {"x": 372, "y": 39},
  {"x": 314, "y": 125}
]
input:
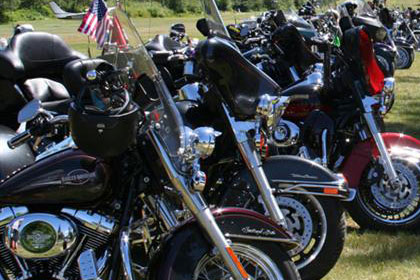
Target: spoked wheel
[
  {"x": 403, "y": 58},
  {"x": 319, "y": 225},
  {"x": 257, "y": 264},
  {"x": 380, "y": 206}
]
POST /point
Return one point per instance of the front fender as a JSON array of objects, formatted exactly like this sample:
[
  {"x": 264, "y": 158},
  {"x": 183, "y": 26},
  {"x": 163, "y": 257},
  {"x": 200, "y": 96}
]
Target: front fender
[
  {"x": 364, "y": 152},
  {"x": 188, "y": 241},
  {"x": 288, "y": 175}
]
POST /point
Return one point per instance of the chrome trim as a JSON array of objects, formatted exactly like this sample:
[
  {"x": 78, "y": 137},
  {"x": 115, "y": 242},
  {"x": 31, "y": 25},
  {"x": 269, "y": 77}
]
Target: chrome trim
[
  {"x": 389, "y": 86},
  {"x": 189, "y": 67},
  {"x": 88, "y": 266},
  {"x": 196, "y": 204},
  {"x": 254, "y": 165},
  {"x": 262, "y": 238},
  {"x": 285, "y": 134},
  {"x": 69, "y": 259},
  {"x": 67, "y": 143},
  {"x": 192, "y": 92},
  {"x": 126, "y": 255},
  {"x": 385, "y": 158},
  {"x": 324, "y": 160},
  {"x": 23, "y": 268},
  {"x": 91, "y": 220},
  {"x": 65, "y": 235},
  {"x": 7, "y": 214},
  {"x": 168, "y": 218}
]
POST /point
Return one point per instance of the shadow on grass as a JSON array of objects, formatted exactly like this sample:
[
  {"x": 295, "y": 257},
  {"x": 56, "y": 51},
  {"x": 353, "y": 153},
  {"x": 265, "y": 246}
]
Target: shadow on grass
[
  {"x": 408, "y": 79},
  {"x": 379, "y": 247}
]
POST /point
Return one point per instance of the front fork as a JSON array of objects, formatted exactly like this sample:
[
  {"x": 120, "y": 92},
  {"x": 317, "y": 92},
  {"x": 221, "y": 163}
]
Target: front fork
[
  {"x": 254, "y": 165},
  {"x": 195, "y": 203},
  {"x": 385, "y": 158}
]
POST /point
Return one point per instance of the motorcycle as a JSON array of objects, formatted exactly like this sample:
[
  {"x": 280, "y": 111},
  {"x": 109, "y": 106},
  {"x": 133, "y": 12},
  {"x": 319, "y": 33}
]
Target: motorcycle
[
  {"x": 112, "y": 208},
  {"x": 31, "y": 67},
  {"x": 307, "y": 194}
]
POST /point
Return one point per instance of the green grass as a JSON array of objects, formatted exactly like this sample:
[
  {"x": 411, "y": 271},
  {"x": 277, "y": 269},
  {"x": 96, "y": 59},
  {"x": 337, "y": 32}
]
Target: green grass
[{"x": 367, "y": 255}]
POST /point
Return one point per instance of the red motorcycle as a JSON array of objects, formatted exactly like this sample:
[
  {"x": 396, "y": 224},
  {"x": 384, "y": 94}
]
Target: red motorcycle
[{"x": 337, "y": 121}]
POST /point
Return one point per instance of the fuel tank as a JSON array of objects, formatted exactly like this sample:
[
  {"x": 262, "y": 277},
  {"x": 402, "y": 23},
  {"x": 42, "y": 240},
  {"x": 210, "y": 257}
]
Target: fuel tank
[
  {"x": 306, "y": 97},
  {"x": 69, "y": 178}
]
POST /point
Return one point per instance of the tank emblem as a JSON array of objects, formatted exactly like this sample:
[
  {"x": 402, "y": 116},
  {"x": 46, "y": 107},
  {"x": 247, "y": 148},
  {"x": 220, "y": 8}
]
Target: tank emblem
[{"x": 78, "y": 177}]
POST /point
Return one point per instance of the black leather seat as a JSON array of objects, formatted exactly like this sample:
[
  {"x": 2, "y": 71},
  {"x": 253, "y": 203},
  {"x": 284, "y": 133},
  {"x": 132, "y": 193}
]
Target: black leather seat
[
  {"x": 42, "y": 54},
  {"x": 45, "y": 90},
  {"x": 11, "y": 67},
  {"x": 162, "y": 43}
]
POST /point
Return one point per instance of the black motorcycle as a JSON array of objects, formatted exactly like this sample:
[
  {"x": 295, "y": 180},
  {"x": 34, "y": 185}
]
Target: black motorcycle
[{"x": 128, "y": 202}]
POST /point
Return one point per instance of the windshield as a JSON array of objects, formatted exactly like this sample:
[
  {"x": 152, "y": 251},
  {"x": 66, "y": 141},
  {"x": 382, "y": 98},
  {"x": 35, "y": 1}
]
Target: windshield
[
  {"x": 216, "y": 25},
  {"x": 294, "y": 18},
  {"x": 125, "y": 49},
  {"x": 360, "y": 8}
]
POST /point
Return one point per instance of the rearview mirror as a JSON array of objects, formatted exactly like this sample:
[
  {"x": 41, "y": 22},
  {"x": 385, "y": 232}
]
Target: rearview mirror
[{"x": 29, "y": 111}]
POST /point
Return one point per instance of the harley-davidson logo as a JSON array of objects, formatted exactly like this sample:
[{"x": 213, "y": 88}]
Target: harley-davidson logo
[
  {"x": 262, "y": 231},
  {"x": 78, "y": 177},
  {"x": 306, "y": 176}
]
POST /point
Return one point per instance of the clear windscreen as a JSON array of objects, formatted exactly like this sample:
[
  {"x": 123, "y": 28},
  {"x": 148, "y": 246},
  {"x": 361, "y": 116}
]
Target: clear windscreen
[
  {"x": 216, "y": 24},
  {"x": 125, "y": 49},
  {"x": 293, "y": 17},
  {"x": 362, "y": 8}
]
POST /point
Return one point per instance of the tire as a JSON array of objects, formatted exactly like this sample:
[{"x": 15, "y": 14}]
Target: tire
[
  {"x": 320, "y": 225},
  {"x": 193, "y": 250},
  {"x": 386, "y": 65},
  {"x": 320, "y": 255},
  {"x": 403, "y": 58},
  {"x": 371, "y": 208}
]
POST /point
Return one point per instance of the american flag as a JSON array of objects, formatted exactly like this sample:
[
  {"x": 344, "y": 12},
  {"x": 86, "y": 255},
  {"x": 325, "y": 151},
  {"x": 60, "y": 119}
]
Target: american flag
[{"x": 96, "y": 22}]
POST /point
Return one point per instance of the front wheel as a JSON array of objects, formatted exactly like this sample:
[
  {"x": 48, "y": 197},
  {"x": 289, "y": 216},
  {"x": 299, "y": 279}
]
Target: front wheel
[
  {"x": 379, "y": 206},
  {"x": 403, "y": 58},
  {"x": 319, "y": 223},
  {"x": 189, "y": 256},
  {"x": 256, "y": 259}
]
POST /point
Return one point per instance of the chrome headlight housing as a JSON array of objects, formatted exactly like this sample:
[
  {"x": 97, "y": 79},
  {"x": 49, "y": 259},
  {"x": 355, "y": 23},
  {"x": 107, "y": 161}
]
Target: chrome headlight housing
[{"x": 200, "y": 143}]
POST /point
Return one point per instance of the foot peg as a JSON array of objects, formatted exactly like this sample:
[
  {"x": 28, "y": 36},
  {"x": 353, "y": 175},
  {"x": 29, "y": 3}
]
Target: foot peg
[{"x": 87, "y": 266}]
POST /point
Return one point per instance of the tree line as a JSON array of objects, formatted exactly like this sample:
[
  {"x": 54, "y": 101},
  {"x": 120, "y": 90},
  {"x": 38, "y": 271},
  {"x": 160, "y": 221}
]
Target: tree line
[{"x": 14, "y": 10}]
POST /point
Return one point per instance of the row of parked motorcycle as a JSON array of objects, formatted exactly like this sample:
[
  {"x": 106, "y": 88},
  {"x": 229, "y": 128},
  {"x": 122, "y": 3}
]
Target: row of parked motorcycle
[{"x": 232, "y": 157}]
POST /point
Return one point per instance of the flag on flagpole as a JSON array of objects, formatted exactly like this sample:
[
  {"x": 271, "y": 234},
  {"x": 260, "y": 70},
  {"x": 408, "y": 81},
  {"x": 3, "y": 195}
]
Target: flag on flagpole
[{"x": 96, "y": 22}]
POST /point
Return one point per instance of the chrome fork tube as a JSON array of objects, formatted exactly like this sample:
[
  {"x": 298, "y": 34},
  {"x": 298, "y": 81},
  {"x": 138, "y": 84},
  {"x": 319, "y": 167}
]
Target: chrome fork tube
[
  {"x": 254, "y": 165},
  {"x": 198, "y": 207},
  {"x": 384, "y": 155}
]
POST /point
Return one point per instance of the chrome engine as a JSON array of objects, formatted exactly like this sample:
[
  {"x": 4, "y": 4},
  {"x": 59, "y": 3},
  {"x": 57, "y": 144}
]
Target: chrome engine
[{"x": 34, "y": 245}]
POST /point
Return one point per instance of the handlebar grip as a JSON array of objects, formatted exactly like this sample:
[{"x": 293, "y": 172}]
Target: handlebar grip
[{"x": 19, "y": 139}]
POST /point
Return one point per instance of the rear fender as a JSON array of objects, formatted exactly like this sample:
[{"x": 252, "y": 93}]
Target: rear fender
[{"x": 398, "y": 144}]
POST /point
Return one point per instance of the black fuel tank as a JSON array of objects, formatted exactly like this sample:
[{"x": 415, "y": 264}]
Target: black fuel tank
[
  {"x": 237, "y": 79},
  {"x": 69, "y": 178}
]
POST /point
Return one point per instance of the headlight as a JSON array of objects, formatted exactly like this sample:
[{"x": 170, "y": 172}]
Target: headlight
[
  {"x": 389, "y": 86},
  {"x": 380, "y": 34}
]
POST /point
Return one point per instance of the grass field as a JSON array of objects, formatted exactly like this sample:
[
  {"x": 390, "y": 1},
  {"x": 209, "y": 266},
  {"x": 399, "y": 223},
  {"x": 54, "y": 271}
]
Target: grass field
[{"x": 367, "y": 255}]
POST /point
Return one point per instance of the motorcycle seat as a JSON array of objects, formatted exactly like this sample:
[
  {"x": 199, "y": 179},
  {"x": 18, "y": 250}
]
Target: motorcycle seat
[
  {"x": 45, "y": 90},
  {"x": 41, "y": 54},
  {"x": 162, "y": 43},
  {"x": 11, "y": 67}
]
